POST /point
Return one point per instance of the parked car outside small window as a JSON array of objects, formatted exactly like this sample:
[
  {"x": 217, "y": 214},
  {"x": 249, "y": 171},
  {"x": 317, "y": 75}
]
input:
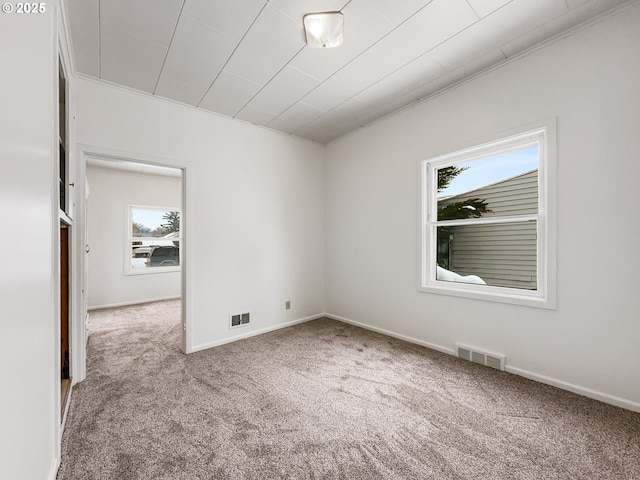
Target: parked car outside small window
[
  {"x": 141, "y": 251},
  {"x": 164, "y": 257}
]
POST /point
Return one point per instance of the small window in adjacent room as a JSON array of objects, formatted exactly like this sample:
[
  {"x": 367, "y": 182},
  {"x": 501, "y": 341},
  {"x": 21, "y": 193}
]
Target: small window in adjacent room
[
  {"x": 153, "y": 243},
  {"x": 488, "y": 221}
]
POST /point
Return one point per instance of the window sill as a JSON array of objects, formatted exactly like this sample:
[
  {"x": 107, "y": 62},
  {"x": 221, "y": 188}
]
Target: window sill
[
  {"x": 151, "y": 271},
  {"x": 490, "y": 294}
]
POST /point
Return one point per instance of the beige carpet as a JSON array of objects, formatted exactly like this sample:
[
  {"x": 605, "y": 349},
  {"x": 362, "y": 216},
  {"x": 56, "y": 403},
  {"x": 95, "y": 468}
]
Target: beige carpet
[{"x": 322, "y": 400}]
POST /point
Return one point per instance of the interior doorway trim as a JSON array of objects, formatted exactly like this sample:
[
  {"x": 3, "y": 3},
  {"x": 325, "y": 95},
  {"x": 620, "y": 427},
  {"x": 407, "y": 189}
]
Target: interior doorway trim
[{"x": 86, "y": 152}]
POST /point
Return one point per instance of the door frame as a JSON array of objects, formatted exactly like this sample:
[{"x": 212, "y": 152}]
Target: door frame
[{"x": 80, "y": 328}]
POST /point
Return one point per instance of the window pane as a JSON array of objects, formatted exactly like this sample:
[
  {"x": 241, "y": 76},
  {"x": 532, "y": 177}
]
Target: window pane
[
  {"x": 502, "y": 255},
  {"x": 165, "y": 256},
  {"x": 155, "y": 254},
  {"x": 154, "y": 223},
  {"x": 499, "y": 185},
  {"x": 155, "y": 238}
]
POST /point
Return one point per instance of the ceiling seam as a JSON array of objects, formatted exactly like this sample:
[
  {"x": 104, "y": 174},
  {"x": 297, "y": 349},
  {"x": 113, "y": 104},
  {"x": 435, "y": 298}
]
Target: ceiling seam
[
  {"x": 399, "y": 68},
  {"x": 270, "y": 80},
  {"x": 135, "y": 35},
  {"x": 284, "y": 12},
  {"x": 488, "y": 69},
  {"x": 168, "y": 48},
  {"x": 474, "y": 10},
  {"x": 417, "y": 77},
  {"x": 285, "y": 66},
  {"x": 232, "y": 53},
  {"x": 359, "y": 54}
]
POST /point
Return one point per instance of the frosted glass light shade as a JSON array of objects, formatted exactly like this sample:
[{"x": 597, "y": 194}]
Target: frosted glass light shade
[{"x": 324, "y": 30}]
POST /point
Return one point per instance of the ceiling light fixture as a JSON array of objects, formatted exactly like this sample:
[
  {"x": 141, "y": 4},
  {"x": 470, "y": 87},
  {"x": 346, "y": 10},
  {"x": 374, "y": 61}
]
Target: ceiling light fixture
[{"x": 324, "y": 30}]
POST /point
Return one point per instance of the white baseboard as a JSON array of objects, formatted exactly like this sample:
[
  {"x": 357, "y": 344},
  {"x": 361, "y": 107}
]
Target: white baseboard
[
  {"x": 253, "y": 333},
  {"x": 66, "y": 411},
  {"x": 586, "y": 392},
  {"x": 389, "y": 333},
  {"x": 134, "y": 302},
  {"x": 53, "y": 472}
]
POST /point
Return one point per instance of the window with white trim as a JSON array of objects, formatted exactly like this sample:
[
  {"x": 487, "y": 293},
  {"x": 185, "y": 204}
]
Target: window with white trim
[
  {"x": 153, "y": 240},
  {"x": 488, "y": 221}
]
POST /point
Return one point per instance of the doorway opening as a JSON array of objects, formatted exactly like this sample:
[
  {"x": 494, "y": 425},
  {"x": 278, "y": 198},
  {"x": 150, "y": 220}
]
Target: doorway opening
[
  {"x": 65, "y": 203},
  {"x": 65, "y": 370},
  {"x": 134, "y": 218}
]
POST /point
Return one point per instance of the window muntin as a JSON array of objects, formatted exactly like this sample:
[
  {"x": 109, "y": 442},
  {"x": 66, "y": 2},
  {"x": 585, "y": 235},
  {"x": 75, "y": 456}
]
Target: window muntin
[
  {"x": 484, "y": 221},
  {"x": 153, "y": 241}
]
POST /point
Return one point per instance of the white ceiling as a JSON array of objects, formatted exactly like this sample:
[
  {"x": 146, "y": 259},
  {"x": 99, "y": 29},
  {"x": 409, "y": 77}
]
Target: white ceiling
[{"x": 248, "y": 59}]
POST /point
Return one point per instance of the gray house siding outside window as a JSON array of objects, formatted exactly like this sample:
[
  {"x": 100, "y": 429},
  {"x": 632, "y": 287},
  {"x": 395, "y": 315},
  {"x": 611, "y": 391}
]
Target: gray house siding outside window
[{"x": 501, "y": 254}]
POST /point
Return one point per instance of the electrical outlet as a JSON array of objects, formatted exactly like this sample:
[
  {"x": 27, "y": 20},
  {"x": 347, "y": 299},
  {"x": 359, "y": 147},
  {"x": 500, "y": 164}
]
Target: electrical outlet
[{"x": 287, "y": 305}]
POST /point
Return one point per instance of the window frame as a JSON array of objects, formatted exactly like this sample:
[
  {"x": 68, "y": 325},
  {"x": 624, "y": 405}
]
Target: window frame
[
  {"x": 129, "y": 239},
  {"x": 541, "y": 134}
]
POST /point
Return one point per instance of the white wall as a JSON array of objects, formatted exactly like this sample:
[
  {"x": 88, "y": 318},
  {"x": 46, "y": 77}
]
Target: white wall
[
  {"x": 590, "y": 343},
  {"x": 111, "y": 194},
  {"x": 28, "y": 110},
  {"x": 254, "y": 209}
]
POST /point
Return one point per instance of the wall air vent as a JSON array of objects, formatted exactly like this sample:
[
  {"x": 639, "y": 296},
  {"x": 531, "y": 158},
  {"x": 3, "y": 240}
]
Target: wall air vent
[
  {"x": 239, "y": 319},
  {"x": 478, "y": 356}
]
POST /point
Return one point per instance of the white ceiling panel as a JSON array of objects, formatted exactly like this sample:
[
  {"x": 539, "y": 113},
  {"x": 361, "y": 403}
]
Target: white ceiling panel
[
  {"x": 274, "y": 39},
  {"x": 350, "y": 109},
  {"x": 228, "y": 16},
  {"x": 85, "y": 31},
  {"x": 255, "y": 115},
  {"x": 485, "y": 7},
  {"x": 299, "y": 115},
  {"x": 432, "y": 25},
  {"x": 347, "y": 115},
  {"x": 296, "y": 9},
  {"x": 152, "y": 20},
  {"x": 415, "y": 74},
  {"x": 248, "y": 59},
  {"x": 180, "y": 92},
  {"x": 340, "y": 87},
  {"x": 289, "y": 86},
  {"x": 383, "y": 108},
  {"x": 229, "y": 94},
  {"x": 130, "y": 60},
  {"x": 481, "y": 63},
  {"x": 197, "y": 54},
  {"x": 323, "y": 130},
  {"x": 429, "y": 27},
  {"x": 477, "y": 65},
  {"x": 492, "y": 31},
  {"x": 363, "y": 26},
  {"x": 397, "y": 12}
]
